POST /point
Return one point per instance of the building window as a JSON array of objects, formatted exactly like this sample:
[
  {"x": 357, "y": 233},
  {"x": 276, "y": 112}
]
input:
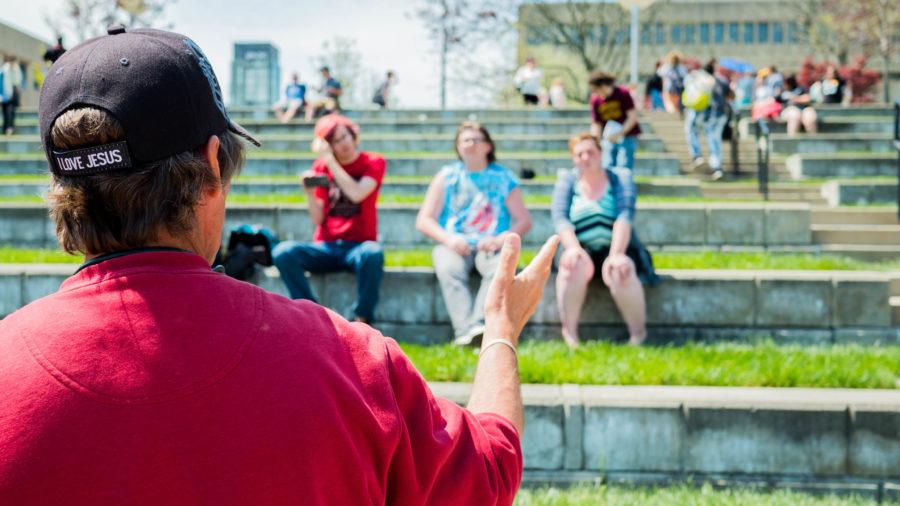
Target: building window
[
  {"x": 676, "y": 34},
  {"x": 792, "y": 35},
  {"x": 536, "y": 36},
  {"x": 748, "y": 33},
  {"x": 604, "y": 33},
  {"x": 645, "y": 34},
  {"x": 689, "y": 31},
  {"x": 660, "y": 34},
  {"x": 777, "y": 33},
  {"x": 763, "y": 33},
  {"x": 719, "y": 33},
  {"x": 733, "y": 35},
  {"x": 704, "y": 33}
]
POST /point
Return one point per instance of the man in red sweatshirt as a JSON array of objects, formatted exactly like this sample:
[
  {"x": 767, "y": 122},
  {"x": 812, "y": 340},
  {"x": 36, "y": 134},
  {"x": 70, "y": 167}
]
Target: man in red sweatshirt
[{"x": 149, "y": 378}]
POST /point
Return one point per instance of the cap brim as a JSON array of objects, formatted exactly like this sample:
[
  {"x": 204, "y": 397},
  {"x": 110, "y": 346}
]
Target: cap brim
[{"x": 238, "y": 129}]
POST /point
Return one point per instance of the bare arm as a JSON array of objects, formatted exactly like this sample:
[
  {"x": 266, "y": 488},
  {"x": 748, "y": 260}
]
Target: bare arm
[
  {"x": 510, "y": 302},
  {"x": 356, "y": 191},
  {"x": 518, "y": 213},
  {"x": 427, "y": 219},
  {"x": 631, "y": 120},
  {"x": 621, "y": 236},
  {"x": 568, "y": 239}
]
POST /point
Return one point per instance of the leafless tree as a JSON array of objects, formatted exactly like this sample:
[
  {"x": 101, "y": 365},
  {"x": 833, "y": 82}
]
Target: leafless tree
[
  {"x": 343, "y": 59},
  {"x": 456, "y": 26},
  {"x": 83, "y": 19}
]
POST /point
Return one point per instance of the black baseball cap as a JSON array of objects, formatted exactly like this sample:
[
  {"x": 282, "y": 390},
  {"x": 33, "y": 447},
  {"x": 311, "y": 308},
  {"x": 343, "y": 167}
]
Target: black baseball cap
[{"x": 157, "y": 84}]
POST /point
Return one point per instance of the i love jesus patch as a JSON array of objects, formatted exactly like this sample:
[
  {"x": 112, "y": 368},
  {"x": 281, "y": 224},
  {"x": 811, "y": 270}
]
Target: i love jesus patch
[{"x": 92, "y": 160}]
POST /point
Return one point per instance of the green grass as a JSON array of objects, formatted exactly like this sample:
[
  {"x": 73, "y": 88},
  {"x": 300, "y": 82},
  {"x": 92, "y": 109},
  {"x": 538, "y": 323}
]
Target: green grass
[
  {"x": 683, "y": 495},
  {"x": 449, "y": 153},
  {"x": 662, "y": 260},
  {"x": 37, "y": 256},
  {"x": 766, "y": 261},
  {"x": 388, "y": 198},
  {"x": 22, "y": 199},
  {"x": 760, "y": 364}
]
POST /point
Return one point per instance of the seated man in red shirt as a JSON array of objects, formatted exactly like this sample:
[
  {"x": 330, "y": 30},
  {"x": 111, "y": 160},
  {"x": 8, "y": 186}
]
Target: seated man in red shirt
[
  {"x": 342, "y": 189},
  {"x": 151, "y": 378}
]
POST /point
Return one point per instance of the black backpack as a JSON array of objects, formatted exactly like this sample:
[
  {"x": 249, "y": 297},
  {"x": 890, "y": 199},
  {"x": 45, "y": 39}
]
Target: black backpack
[{"x": 248, "y": 247}]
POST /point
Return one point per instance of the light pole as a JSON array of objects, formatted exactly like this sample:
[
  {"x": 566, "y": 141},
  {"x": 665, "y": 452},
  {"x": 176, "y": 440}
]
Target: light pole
[{"x": 635, "y": 6}]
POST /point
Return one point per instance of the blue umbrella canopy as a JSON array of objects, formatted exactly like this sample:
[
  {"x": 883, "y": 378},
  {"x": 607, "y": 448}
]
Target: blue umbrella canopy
[{"x": 736, "y": 65}]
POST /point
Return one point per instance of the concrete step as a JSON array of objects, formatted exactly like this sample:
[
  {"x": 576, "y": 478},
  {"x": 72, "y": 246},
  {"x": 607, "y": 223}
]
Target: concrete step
[
  {"x": 688, "y": 224},
  {"x": 438, "y": 144},
  {"x": 247, "y": 186},
  {"x": 811, "y": 306},
  {"x": 844, "y": 165},
  {"x": 425, "y": 164},
  {"x": 864, "y": 252},
  {"x": 895, "y": 310},
  {"x": 853, "y": 216},
  {"x": 856, "y": 234}
]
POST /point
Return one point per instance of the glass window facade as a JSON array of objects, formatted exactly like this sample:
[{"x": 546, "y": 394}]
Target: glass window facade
[
  {"x": 762, "y": 35},
  {"x": 719, "y": 33},
  {"x": 777, "y": 33},
  {"x": 704, "y": 33}
]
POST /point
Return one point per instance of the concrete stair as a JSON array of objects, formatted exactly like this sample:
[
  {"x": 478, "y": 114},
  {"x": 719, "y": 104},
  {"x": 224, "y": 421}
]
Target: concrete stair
[
  {"x": 864, "y": 233},
  {"x": 894, "y": 300},
  {"x": 670, "y": 129},
  {"x": 777, "y": 192}
]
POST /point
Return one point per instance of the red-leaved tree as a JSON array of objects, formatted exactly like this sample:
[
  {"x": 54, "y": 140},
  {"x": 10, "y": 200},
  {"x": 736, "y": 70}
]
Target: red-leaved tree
[{"x": 862, "y": 82}]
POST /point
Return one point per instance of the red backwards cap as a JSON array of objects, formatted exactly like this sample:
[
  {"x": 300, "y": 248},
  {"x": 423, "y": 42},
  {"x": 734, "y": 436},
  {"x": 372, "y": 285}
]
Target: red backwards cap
[{"x": 326, "y": 125}]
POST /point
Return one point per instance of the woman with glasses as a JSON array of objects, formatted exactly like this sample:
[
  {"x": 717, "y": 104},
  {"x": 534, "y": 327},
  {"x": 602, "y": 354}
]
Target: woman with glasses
[{"x": 470, "y": 207}]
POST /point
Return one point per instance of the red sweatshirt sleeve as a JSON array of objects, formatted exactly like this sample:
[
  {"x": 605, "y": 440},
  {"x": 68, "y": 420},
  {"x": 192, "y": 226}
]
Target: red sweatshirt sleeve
[{"x": 446, "y": 454}]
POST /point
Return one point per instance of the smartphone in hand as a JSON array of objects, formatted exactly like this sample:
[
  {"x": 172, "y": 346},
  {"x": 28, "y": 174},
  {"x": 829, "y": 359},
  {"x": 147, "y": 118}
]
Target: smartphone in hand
[{"x": 315, "y": 181}]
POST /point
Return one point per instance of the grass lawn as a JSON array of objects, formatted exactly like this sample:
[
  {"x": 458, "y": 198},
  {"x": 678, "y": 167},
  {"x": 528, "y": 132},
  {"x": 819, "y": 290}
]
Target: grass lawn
[
  {"x": 662, "y": 260},
  {"x": 760, "y": 364},
  {"x": 540, "y": 200},
  {"x": 677, "y": 496}
]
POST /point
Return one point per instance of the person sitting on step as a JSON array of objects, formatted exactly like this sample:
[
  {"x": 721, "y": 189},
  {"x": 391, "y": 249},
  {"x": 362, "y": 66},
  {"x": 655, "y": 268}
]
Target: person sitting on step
[
  {"x": 341, "y": 189},
  {"x": 593, "y": 213},
  {"x": 470, "y": 207}
]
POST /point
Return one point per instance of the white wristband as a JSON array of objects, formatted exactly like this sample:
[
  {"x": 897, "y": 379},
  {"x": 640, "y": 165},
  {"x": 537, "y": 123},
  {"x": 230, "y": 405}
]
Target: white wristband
[{"x": 505, "y": 342}]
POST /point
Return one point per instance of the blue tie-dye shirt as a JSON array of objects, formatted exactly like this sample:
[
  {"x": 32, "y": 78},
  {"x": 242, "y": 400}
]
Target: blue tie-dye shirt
[{"x": 475, "y": 202}]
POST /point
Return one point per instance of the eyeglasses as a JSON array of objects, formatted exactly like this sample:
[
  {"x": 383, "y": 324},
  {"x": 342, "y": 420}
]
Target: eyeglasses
[
  {"x": 338, "y": 139},
  {"x": 471, "y": 140}
]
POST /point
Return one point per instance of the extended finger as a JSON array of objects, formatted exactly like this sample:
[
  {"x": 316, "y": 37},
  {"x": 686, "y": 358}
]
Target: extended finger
[
  {"x": 544, "y": 259},
  {"x": 509, "y": 258}
]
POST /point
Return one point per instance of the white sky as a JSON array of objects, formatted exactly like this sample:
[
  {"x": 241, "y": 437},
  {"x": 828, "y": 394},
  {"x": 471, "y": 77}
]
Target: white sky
[{"x": 386, "y": 37}]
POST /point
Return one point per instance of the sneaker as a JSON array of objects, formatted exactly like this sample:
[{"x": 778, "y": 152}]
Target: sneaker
[
  {"x": 699, "y": 165},
  {"x": 717, "y": 175},
  {"x": 471, "y": 337}
]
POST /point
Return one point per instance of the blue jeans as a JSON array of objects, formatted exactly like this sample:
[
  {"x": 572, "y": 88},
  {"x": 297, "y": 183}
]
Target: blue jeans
[
  {"x": 294, "y": 259},
  {"x": 712, "y": 125},
  {"x": 621, "y": 154},
  {"x": 656, "y": 101}
]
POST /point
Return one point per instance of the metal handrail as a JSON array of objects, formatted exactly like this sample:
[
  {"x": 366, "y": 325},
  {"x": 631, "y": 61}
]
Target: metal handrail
[
  {"x": 735, "y": 142},
  {"x": 762, "y": 157},
  {"x": 897, "y": 147}
]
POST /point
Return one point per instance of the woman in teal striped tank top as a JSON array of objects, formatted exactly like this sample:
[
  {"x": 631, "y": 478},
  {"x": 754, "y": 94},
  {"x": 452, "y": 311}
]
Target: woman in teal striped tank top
[{"x": 593, "y": 210}]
